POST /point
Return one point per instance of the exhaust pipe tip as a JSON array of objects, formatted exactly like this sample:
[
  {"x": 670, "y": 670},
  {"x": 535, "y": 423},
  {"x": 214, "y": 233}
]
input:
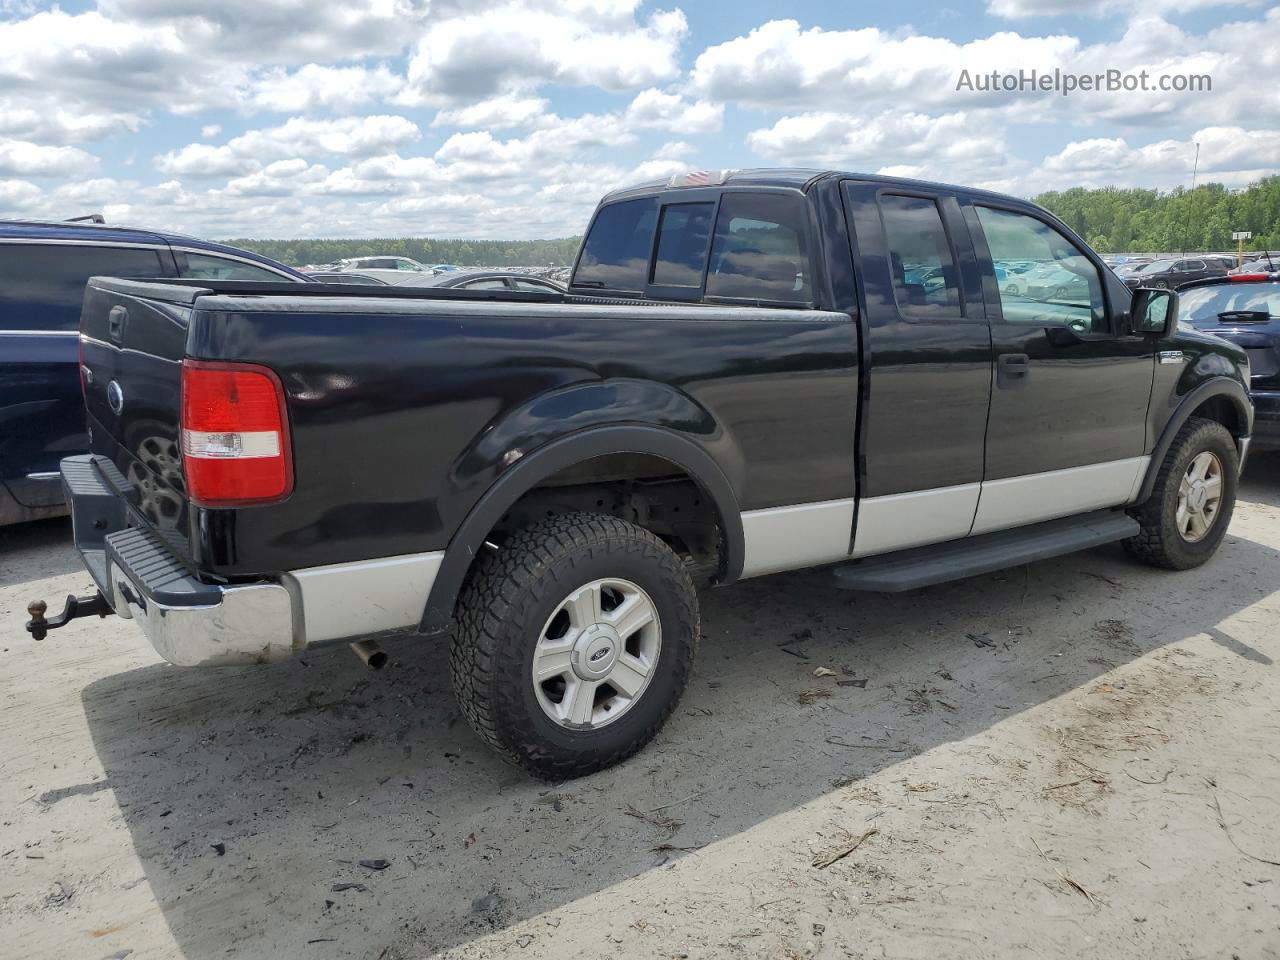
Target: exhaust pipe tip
[{"x": 374, "y": 657}]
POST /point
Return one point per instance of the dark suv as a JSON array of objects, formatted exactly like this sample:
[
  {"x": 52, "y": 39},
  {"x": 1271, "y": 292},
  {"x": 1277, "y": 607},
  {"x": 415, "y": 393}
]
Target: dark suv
[
  {"x": 1173, "y": 273},
  {"x": 43, "y": 270},
  {"x": 1245, "y": 309}
]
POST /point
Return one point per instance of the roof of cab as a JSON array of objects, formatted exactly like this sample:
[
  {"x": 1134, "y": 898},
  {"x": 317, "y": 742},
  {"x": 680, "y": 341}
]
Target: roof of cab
[{"x": 802, "y": 178}]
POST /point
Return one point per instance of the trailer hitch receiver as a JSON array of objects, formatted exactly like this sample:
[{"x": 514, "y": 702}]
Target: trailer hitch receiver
[{"x": 39, "y": 627}]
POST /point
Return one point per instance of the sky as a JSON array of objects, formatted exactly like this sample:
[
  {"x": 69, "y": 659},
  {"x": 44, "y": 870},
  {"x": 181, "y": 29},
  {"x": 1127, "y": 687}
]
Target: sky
[{"x": 507, "y": 119}]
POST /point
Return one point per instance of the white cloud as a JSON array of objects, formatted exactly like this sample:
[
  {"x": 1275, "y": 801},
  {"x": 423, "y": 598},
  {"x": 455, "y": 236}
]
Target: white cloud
[
  {"x": 95, "y": 193},
  {"x": 44, "y": 120},
  {"x": 314, "y": 86},
  {"x": 1015, "y": 9},
  {"x": 498, "y": 113},
  {"x": 284, "y": 178},
  {"x": 502, "y": 159},
  {"x": 203, "y": 160},
  {"x": 674, "y": 150},
  {"x": 671, "y": 111},
  {"x": 1230, "y": 155},
  {"x": 285, "y": 31},
  {"x": 97, "y": 61},
  {"x": 954, "y": 146},
  {"x": 18, "y": 196},
  {"x": 519, "y": 46},
  {"x": 345, "y": 136},
  {"x": 781, "y": 64},
  {"x": 297, "y": 137},
  {"x": 25, "y": 159}
]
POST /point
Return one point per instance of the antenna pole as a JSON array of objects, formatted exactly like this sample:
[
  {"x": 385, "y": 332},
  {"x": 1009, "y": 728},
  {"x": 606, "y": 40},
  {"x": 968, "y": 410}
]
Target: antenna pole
[{"x": 1186, "y": 220}]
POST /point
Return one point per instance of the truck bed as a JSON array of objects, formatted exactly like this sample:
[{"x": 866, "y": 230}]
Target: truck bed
[{"x": 404, "y": 405}]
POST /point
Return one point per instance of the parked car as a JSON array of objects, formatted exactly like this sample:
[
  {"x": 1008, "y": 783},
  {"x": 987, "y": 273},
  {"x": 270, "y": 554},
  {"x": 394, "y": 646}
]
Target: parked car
[
  {"x": 486, "y": 280},
  {"x": 1173, "y": 273},
  {"x": 1053, "y": 281},
  {"x": 352, "y": 278},
  {"x": 1259, "y": 263},
  {"x": 1245, "y": 309},
  {"x": 730, "y": 388},
  {"x": 1130, "y": 268},
  {"x": 392, "y": 270},
  {"x": 43, "y": 269}
]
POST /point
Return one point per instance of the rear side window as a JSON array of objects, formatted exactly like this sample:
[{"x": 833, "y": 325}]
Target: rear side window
[
  {"x": 42, "y": 285},
  {"x": 760, "y": 251},
  {"x": 682, "y": 245},
  {"x": 924, "y": 274},
  {"x": 616, "y": 254},
  {"x": 201, "y": 266}
]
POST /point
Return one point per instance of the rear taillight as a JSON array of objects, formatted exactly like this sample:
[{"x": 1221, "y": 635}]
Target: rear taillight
[{"x": 235, "y": 434}]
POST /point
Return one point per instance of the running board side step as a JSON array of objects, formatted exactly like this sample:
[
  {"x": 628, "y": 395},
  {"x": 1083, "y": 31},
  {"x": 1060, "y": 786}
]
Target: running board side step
[{"x": 938, "y": 563}]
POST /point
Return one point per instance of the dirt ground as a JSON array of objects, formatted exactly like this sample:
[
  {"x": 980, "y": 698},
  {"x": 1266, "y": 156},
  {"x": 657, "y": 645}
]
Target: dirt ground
[{"x": 1076, "y": 758}]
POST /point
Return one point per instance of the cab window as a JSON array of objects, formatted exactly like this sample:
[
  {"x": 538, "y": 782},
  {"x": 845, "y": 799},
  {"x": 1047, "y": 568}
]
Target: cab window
[
  {"x": 924, "y": 273},
  {"x": 1064, "y": 288},
  {"x": 615, "y": 255},
  {"x": 682, "y": 245},
  {"x": 760, "y": 249}
]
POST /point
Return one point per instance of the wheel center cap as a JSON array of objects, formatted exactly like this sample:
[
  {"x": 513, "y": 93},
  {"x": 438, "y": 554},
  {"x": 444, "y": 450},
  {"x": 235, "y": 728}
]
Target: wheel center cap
[
  {"x": 1197, "y": 496},
  {"x": 596, "y": 651}
]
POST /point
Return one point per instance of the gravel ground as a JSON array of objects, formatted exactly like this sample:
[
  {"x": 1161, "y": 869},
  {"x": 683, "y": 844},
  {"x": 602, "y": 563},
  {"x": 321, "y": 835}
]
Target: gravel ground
[{"x": 1079, "y": 757}]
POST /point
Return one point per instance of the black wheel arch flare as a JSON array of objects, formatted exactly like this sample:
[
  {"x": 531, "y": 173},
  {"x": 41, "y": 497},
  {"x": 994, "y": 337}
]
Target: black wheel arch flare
[
  {"x": 566, "y": 452},
  {"x": 1224, "y": 387}
]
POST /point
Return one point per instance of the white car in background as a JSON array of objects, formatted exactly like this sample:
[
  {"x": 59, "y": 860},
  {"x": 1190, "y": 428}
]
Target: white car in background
[{"x": 398, "y": 271}]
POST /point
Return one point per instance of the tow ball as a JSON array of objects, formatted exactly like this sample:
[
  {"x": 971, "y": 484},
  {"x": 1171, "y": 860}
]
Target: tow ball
[{"x": 39, "y": 627}]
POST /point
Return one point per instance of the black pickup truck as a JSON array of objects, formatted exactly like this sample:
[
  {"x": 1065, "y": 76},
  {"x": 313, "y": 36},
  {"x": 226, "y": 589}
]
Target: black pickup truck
[{"x": 751, "y": 372}]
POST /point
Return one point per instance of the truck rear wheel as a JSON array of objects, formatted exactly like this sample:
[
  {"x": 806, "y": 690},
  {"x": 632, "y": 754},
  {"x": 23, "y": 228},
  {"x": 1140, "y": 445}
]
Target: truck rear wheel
[
  {"x": 1190, "y": 506},
  {"x": 574, "y": 643}
]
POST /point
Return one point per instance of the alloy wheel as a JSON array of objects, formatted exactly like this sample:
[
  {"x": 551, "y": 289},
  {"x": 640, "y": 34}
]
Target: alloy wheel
[
  {"x": 1199, "y": 497},
  {"x": 596, "y": 654}
]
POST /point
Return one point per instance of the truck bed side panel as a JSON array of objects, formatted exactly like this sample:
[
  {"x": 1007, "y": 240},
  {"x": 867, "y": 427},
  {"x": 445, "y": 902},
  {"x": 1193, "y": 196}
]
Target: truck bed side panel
[{"x": 390, "y": 404}]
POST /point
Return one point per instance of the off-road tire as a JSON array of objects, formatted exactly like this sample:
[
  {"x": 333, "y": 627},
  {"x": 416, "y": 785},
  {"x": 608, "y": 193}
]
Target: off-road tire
[
  {"x": 505, "y": 604},
  {"x": 1159, "y": 543}
]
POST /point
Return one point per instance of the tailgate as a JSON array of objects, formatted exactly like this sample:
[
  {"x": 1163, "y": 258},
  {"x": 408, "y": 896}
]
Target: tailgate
[{"x": 133, "y": 336}]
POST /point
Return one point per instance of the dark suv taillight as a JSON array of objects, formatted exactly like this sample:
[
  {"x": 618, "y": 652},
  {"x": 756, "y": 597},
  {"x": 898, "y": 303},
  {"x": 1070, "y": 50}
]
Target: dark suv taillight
[{"x": 235, "y": 434}]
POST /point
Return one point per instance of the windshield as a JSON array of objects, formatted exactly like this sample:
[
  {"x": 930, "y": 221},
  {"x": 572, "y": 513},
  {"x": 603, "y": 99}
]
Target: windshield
[
  {"x": 1159, "y": 266},
  {"x": 1203, "y": 304}
]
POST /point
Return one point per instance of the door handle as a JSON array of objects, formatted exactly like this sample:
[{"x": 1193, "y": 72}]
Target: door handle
[
  {"x": 1012, "y": 368},
  {"x": 115, "y": 324}
]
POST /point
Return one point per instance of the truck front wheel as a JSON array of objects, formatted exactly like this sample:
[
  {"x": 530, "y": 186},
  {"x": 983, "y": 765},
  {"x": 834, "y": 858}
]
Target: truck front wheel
[
  {"x": 574, "y": 642},
  {"x": 1190, "y": 506}
]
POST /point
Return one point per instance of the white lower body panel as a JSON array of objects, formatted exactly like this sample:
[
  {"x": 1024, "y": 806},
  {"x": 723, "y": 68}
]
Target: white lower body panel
[
  {"x": 811, "y": 534},
  {"x": 355, "y": 599},
  {"x": 789, "y": 538},
  {"x": 1058, "y": 493},
  {"x": 914, "y": 519}
]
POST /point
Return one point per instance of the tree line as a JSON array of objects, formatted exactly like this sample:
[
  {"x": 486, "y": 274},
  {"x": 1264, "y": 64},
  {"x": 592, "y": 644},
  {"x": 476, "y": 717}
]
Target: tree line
[
  {"x": 1113, "y": 220},
  {"x": 1131, "y": 221},
  {"x": 488, "y": 253}
]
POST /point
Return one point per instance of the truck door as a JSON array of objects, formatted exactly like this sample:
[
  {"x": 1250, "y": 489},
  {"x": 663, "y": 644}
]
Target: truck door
[
  {"x": 928, "y": 362},
  {"x": 1067, "y": 429}
]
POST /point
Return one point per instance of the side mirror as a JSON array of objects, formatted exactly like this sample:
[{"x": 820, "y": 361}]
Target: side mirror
[{"x": 1153, "y": 311}]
